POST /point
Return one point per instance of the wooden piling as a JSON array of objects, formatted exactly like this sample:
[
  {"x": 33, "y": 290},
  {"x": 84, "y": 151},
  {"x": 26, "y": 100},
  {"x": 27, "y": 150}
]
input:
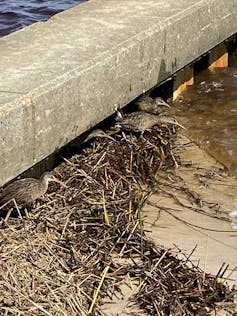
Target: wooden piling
[
  {"x": 218, "y": 57},
  {"x": 183, "y": 79}
]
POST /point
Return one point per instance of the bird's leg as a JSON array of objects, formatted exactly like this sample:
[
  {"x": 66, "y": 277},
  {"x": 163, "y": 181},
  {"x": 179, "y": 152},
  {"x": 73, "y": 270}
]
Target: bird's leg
[
  {"x": 8, "y": 215},
  {"x": 17, "y": 208},
  {"x": 26, "y": 212},
  {"x": 9, "y": 211},
  {"x": 109, "y": 137},
  {"x": 124, "y": 136},
  {"x": 45, "y": 198},
  {"x": 147, "y": 141},
  {"x": 152, "y": 145}
]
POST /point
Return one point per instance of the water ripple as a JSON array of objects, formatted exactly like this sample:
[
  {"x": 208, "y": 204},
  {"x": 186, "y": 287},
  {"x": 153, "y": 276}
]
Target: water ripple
[{"x": 16, "y": 14}]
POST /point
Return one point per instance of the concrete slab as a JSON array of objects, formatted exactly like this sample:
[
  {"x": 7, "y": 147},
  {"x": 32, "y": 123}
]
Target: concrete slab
[{"x": 60, "y": 77}]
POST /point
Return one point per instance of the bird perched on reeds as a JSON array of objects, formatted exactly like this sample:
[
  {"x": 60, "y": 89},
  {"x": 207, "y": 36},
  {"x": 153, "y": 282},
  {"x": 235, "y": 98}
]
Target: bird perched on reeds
[
  {"x": 155, "y": 106},
  {"x": 141, "y": 121},
  {"x": 97, "y": 133},
  {"x": 25, "y": 191}
]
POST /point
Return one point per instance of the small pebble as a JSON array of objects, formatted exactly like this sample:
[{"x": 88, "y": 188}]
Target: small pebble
[{"x": 233, "y": 217}]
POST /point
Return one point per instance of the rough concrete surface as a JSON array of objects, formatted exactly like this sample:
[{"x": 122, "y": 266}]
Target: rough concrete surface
[{"x": 58, "y": 78}]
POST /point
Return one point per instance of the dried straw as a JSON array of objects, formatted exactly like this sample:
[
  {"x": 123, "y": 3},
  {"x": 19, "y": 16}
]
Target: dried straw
[{"x": 59, "y": 260}]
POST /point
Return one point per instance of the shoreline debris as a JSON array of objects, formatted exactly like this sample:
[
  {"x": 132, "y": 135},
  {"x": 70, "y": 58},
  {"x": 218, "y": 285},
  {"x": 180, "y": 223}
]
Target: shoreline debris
[{"x": 59, "y": 259}]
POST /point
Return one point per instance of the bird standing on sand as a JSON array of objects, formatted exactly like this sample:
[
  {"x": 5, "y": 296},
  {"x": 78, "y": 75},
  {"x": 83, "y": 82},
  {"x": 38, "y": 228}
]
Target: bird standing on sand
[
  {"x": 141, "y": 121},
  {"x": 25, "y": 191},
  {"x": 97, "y": 133},
  {"x": 155, "y": 106}
]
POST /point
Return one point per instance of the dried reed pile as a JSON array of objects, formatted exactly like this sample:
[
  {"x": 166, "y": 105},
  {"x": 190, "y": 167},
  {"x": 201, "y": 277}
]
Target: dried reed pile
[{"x": 58, "y": 259}]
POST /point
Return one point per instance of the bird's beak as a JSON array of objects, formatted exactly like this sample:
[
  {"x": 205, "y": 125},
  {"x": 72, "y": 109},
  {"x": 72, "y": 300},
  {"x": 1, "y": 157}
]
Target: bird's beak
[
  {"x": 104, "y": 135},
  {"x": 163, "y": 103},
  {"x": 60, "y": 182},
  {"x": 119, "y": 116},
  {"x": 167, "y": 105},
  {"x": 86, "y": 139},
  {"x": 177, "y": 124},
  {"x": 110, "y": 137}
]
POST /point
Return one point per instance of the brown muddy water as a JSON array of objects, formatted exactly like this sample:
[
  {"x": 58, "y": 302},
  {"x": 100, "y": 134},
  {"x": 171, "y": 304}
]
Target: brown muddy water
[{"x": 208, "y": 109}]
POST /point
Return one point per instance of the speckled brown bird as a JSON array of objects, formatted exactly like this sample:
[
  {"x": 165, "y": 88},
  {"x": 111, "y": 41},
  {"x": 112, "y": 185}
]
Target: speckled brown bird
[
  {"x": 142, "y": 121},
  {"x": 27, "y": 190},
  {"x": 155, "y": 106}
]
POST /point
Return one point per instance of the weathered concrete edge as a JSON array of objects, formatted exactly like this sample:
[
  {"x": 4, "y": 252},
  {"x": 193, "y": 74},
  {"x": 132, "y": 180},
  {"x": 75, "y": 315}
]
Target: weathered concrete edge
[{"x": 48, "y": 117}]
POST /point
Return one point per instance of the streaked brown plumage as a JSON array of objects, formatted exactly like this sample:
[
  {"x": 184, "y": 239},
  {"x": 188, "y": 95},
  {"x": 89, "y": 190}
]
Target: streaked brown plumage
[
  {"x": 25, "y": 191},
  {"x": 155, "y": 106},
  {"x": 97, "y": 133},
  {"x": 141, "y": 121}
]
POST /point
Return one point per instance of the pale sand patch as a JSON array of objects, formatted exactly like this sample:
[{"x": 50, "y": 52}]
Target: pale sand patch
[
  {"x": 208, "y": 190},
  {"x": 212, "y": 192}
]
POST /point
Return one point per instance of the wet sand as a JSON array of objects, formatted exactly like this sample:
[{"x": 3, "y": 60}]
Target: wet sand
[{"x": 180, "y": 227}]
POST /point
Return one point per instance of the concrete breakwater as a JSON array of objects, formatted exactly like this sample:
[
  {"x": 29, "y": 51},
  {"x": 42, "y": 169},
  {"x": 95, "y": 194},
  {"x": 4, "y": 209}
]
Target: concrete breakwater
[{"x": 58, "y": 78}]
